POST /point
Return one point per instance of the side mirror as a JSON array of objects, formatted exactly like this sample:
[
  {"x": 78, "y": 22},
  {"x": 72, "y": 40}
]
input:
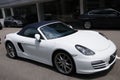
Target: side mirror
[
  {"x": 37, "y": 37},
  {"x": 70, "y": 26}
]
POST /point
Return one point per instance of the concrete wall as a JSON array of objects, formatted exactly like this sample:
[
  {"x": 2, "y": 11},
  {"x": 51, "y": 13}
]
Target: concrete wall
[{"x": 10, "y": 3}]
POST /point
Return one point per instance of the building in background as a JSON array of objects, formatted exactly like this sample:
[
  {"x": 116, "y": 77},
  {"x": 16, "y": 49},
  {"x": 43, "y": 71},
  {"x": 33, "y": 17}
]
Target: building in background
[
  {"x": 52, "y": 9},
  {"x": 29, "y": 8}
]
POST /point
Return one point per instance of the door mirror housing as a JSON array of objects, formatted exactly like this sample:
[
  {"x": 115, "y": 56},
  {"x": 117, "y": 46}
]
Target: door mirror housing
[
  {"x": 70, "y": 26},
  {"x": 37, "y": 37}
]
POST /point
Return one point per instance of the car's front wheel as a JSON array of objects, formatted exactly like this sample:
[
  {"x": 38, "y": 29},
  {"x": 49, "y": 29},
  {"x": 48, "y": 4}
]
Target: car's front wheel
[
  {"x": 64, "y": 63},
  {"x": 11, "y": 51}
]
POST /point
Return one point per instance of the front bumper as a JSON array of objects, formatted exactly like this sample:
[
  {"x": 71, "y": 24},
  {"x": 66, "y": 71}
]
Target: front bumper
[
  {"x": 89, "y": 68},
  {"x": 97, "y": 63}
]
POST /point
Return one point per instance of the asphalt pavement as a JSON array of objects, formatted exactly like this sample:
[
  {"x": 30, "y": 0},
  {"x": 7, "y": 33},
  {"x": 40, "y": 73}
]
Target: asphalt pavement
[{"x": 23, "y": 69}]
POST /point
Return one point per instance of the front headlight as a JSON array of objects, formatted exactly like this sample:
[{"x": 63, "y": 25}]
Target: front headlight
[{"x": 84, "y": 50}]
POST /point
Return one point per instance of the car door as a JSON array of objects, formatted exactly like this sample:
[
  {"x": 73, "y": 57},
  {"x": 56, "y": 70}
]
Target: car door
[
  {"x": 117, "y": 18},
  {"x": 7, "y": 21},
  {"x": 114, "y": 19},
  {"x": 32, "y": 48},
  {"x": 98, "y": 18}
]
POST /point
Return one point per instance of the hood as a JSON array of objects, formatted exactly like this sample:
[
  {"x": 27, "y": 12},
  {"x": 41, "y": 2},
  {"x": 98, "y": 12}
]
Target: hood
[{"x": 89, "y": 39}]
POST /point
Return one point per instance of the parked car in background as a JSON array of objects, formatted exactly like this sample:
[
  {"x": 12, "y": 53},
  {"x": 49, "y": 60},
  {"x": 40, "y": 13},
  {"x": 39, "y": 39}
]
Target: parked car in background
[
  {"x": 103, "y": 18},
  {"x": 1, "y": 26},
  {"x": 14, "y": 21}
]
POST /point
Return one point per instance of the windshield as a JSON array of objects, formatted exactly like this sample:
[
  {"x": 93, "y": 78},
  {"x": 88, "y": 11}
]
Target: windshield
[{"x": 56, "y": 30}]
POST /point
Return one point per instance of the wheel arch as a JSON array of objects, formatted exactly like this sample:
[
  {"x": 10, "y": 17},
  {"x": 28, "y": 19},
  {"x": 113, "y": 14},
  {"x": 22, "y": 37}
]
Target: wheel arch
[
  {"x": 8, "y": 42},
  {"x": 61, "y": 50}
]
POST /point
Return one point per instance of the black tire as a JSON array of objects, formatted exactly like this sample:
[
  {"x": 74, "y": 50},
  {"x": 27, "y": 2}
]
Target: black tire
[
  {"x": 11, "y": 51},
  {"x": 64, "y": 63},
  {"x": 87, "y": 24},
  {"x": 1, "y": 28},
  {"x": 5, "y": 25}
]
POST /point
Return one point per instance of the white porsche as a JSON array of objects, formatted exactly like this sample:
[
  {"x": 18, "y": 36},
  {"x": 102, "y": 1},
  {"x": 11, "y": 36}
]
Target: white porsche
[{"x": 56, "y": 44}]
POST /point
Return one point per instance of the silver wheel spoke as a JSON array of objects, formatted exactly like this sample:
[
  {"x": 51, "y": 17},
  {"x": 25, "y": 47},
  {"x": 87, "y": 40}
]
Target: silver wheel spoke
[
  {"x": 65, "y": 69},
  {"x": 68, "y": 67},
  {"x": 58, "y": 59},
  {"x": 61, "y": 58},
  {"x": 58, "y": 62}
]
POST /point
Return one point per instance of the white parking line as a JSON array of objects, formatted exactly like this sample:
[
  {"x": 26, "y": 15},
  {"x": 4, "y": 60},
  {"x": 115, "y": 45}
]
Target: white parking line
[{"x": 118, "y": 57}]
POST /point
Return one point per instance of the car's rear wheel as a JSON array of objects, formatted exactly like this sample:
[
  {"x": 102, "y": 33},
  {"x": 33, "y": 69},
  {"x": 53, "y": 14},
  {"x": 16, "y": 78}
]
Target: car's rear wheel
[
  {"x": 11, "y": 51},
  {"x": 87, "y": 25},
  {"x": 64, "y": 63}
]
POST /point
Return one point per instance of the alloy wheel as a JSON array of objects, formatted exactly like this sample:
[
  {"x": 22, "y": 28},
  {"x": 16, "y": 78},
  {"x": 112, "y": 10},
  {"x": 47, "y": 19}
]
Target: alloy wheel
[
  {"x": 11, "y": 52},
  {"x": 64, "y": 63}
]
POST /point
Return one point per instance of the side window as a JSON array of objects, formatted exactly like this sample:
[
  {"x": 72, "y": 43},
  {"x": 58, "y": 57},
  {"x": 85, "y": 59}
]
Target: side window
[
  {"x": 96, "y": 12},
  {"x": 30, "y": 32},
  {"x": 103, "y": 12},
  {"x": 111, "y": 13}
]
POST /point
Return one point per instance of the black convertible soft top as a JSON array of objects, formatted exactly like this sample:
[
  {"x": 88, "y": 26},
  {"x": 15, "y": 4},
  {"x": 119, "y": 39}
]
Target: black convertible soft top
[{"x": 36, "y": 25}]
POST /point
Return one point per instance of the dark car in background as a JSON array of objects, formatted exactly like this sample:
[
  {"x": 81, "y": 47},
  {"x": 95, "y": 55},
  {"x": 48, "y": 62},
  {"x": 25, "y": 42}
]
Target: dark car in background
[
  {"x": 14, "y": 21},
  {"x": 103, "y": 18},
  {"x": 31, "y": 18},
  {"x": 1, "y": 26}
]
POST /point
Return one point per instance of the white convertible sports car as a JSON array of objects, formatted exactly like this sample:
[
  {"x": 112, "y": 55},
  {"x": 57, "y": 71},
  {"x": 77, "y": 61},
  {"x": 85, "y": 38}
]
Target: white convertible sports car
[{"x": 56, "y": 44}]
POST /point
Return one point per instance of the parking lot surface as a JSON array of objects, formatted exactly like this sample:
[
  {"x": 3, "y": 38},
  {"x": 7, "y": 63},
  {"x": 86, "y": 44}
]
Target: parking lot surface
[{"x": 23, "y": 69}]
